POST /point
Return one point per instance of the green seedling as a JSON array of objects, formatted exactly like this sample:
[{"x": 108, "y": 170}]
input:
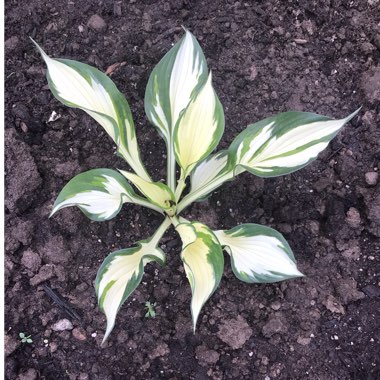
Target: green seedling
[
  {"x": 24, "y": 338},
  {"x": 151, "y": 313}
]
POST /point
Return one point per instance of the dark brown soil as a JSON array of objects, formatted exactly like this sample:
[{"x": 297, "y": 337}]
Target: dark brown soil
[{"x": 266, "y": 56}]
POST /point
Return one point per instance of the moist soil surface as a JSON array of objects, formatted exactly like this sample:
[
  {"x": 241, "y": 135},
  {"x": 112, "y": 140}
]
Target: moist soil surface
[{"x": 266, "y": 57}]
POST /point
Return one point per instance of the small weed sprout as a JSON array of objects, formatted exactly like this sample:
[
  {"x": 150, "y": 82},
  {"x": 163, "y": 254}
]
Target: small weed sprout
[
  {"x": 24, "y": 338},
  {"x": 181, "y": 103},
  {"x": 151, "y": 313}
]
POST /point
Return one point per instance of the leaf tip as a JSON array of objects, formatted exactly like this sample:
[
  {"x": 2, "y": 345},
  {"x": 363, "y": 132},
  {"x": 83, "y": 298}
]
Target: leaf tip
[
  {"x": 39, "y": 48},
  {"x": 195, "y": 311},
  {"x": 352, "y": 115},
  {"x": 299, "y": 274},
  {"x": 195, "y": 320},
  {"x": 109, "y": 329},
  {"x": 52, "y": 212},
  {"x": 35, "y": 43}
]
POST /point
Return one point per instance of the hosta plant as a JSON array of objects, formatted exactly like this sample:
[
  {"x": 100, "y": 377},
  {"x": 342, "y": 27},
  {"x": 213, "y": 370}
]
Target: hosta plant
[{"x": 181, "y": 103}]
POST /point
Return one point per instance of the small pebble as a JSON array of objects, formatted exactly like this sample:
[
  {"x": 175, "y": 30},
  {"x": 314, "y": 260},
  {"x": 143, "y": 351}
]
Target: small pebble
[
  {"x": 31, "y": 260},
  {"x": 11, "y": 43},
  {"x": 276, "y": 305},
  {"x": 10, "y": 344},
  {"x": 62, "y": 325},
  {"x": 97, "y": 23},
  {"x": 53, "y": 346},
  {"x": 353, "y": 217},
  {"x": 29, "y": 374},
  {"x": 371, "y": 178},
  {"x": 24, "y": 127},
  {"x": 264, "y": 360},
  {"x": 303, "y": 341},
  {"x": 79, "y": 334}
]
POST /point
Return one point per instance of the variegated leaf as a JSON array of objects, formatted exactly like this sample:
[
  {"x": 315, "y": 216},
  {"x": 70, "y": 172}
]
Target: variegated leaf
[
  {"x": 99, "y": 193},
  {"x": 156, "y": 192},
  {"x": 122, "y": 271},
  {"x": 78, "y": 85},
  {"x": 207, "y": 170},
  {"x": 207, "y": 176},
  {"x": 258, "y": 253},
  {"x": 284, "y": 143},
  {"x": 199, "y": 129},
  {"x": 173, "y": 82},
  {"x": 203, "y": 261}
]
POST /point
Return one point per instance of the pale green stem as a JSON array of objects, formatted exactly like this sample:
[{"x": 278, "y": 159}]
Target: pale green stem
[
  {"x": 175, "y": 221},
  {"x": 154, "y": 240},
  {"x": 178, "y": 220},
  {"x": 203, "y": 191},
  {"x": 171, "y": 166},
  {"x": 147, "y": 204},
  {"x": 180, "y": 186},
  {"x": 183, "y": 220}
]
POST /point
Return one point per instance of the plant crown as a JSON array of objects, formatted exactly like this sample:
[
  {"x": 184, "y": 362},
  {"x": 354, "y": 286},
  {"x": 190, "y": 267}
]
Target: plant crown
[{"x": 181, "y": 103}]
